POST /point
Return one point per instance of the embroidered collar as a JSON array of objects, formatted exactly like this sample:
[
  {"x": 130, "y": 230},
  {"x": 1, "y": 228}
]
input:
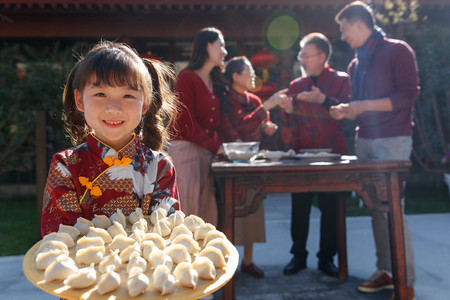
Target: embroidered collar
[
  {"x": 103, "y": 150},
  {"x": 121, "y": 157}
]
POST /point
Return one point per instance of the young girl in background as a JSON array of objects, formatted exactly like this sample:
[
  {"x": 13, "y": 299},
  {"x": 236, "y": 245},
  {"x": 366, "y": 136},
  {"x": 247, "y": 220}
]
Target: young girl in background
[
  {"x": 115, "y": 108},
  {"x": 251, "y": 119}
]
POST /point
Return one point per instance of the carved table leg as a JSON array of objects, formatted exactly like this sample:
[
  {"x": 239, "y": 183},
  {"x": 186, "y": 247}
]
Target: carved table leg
[
  {"x": 397, "y": 237},
  {"x": 342, "y": 237}
]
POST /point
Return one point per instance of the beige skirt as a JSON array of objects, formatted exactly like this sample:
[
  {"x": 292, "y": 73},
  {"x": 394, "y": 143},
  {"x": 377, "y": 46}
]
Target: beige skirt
[
  {"x": 194, "y": 180},
  {"x": 250, "y": 229}
]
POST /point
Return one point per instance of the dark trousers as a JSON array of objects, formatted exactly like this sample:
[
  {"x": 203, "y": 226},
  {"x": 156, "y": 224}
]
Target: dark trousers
[{"x": 301, "y": 208}]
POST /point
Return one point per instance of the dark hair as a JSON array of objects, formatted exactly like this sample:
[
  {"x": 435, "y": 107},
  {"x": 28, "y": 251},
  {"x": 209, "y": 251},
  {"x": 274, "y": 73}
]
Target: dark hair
[
  {"x": 235, "y": 65},
  {"x": 320, "y": 41},
  {"x": 357, "y": 10},
  {"x": 201, "y": 40},
  {"x": 116, "y": 64}
]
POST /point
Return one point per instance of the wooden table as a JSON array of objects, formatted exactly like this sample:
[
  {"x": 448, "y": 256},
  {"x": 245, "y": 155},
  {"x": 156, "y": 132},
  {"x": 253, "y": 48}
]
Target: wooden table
[{"x": 378, "y": 183}]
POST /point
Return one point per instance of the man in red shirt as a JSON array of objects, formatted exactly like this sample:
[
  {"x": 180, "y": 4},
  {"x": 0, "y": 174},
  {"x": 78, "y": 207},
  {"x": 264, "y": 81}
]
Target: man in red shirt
[{"x": 307, "y": 124}]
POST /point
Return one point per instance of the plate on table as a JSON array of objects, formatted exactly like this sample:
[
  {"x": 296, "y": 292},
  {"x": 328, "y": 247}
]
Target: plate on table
[
  {"x": 316, "y": 150},
  {"x": 319, "y": 156}
]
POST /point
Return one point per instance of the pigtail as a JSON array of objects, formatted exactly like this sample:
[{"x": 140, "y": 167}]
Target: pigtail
[
  {"x": 163, "y": 105},
  {"x": 74, "y": 124}
]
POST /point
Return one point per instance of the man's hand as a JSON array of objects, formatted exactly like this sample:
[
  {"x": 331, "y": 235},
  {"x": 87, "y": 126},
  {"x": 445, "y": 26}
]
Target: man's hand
[
  {"x": 343, "y": 110},
  {"x": 313, "y": 96}
]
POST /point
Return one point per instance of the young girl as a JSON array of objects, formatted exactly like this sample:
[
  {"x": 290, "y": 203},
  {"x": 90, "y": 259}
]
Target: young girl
[
  {"x": 197, "y": 129},
  {"x": 115, "y": 108}
]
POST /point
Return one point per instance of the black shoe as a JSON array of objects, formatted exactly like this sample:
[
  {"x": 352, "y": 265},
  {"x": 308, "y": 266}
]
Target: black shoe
[
  {"x": 294, "y": 266},
  {"x": 328, "y": 267}
]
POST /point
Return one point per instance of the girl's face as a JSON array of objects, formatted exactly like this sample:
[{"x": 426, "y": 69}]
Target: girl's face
[
  {"x": 246, "y": 79},
  {"x": 112, "y": 113},
  {"x": 217, "y": 52}
]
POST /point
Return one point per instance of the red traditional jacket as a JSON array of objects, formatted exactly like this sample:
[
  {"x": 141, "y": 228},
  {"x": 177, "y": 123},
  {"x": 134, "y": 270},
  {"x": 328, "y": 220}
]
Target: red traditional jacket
[
  {"x": 200, "y": 119},
  {"x": 93, "y": 178},
  {"x": 310, "y": 125},
  {"x": 247, "y": 115}
]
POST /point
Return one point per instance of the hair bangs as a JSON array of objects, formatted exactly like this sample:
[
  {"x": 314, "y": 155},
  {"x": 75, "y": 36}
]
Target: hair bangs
[{"x": 111, "y": 67}]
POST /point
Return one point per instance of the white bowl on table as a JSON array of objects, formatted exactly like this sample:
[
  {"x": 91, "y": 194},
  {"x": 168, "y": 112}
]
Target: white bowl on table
[{"x": 241, "y": 151}]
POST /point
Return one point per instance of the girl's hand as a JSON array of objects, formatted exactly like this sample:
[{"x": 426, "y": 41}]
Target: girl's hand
[{"x": 270, "y": 128}]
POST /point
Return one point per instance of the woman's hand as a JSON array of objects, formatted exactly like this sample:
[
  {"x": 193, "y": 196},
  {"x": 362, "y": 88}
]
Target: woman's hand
[{"x": 276, "y": 99}]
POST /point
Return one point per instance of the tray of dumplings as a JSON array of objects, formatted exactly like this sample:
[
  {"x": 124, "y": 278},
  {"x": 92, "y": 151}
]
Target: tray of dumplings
[{"x": 142, "y": 257}]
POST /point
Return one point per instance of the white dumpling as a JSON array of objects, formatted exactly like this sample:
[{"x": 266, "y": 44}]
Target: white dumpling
[
  {"x": 220, "y": 244},
  {"x": 204, "y": 267},
  {"x": 137, "y": 235},
  {"x": 70, "y": 230},
  {"x": 108, "y": 282},
  {"x": 121, "y": 242},
  {"x": 163, "y": 281},
  {"x": 137, "y": 283},
  {"x": 162, "y": 228},
  {"x": 45, "y": 259},
  {"x": 95, "y": 231},
  {"x": 83, "y": 225},
  {"x": 136, "y": 215},
  {"x": 159, "y": 214},
  {"x": 101, "y": 221},
  {"x": 193, "y": 222},
  {"x": 119, "y": 217},
  {"x": 211, "y": 235},
  {"x": 180, "y": 229},
  {"x": 158, "y": 257},
  {"x": 60, "y": 269},
  {"x": 126, "y": 253},
  {"x": 201, "y": 231},
  {"x": 155, "y": 238},
  {"x": 141, "y": 225},
  {"x": 178, "y": 253},
  {"x": 112, "y": 260},
  {"x": 115, "y": 229},
  {"x": 187, "y": 241},
  {"x": 186, "y": 275},
  {"x": 175, "y": 219},
  {"x": 83, "y": 278},
  {"x": 215, "y": 255},
  {"x": 86, "y": 256},
  {"x": 92, "y": 241},
  {"x": 147, "y": 248},
  {"x": 52, "y": 245},
  {"x": 59, "y": 236},
  {"x": 136, "y": 261}
]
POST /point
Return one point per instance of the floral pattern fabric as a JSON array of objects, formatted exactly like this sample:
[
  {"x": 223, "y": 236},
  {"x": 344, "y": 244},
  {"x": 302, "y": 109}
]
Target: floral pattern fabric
[{"x": 93, "y": 179}]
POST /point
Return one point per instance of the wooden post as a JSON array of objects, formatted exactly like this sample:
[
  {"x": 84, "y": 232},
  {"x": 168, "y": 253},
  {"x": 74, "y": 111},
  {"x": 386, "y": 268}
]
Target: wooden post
[{"x": 41, "y": 165}]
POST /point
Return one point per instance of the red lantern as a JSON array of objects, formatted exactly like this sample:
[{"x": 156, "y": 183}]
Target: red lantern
[{"x": 263, "y": 59}]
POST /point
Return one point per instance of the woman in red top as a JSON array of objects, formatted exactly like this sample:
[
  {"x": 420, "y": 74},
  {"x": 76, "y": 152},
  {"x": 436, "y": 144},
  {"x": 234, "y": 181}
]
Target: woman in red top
[
  {"x": 196, "y": 132},
  {"x": 251, "y": 119}
]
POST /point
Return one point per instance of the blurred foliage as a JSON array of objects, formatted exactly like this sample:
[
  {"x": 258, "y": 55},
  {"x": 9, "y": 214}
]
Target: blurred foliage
[{"x": 30, "y": 80}]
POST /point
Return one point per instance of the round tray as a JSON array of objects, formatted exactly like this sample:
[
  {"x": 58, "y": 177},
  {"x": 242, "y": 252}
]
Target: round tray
[{"x": 59, "y": 289}]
